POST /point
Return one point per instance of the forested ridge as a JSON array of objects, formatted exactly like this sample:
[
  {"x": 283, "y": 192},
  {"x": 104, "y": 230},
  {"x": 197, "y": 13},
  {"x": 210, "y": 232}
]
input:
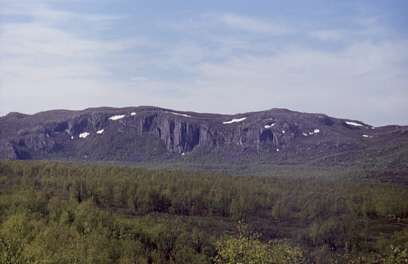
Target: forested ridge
[{"x": 54, "y": 212}]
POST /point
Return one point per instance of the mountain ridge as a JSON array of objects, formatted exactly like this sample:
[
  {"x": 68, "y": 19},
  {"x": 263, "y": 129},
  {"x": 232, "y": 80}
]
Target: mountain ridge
[
  {"x": 111, "y": 108},
  {"x": 149, "y": 133}
]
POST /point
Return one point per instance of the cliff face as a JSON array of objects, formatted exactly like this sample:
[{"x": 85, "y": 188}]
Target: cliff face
[{"x": 150, "y": 133}]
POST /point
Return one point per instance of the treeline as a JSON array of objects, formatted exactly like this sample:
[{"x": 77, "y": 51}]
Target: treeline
[{"x": 106, "y": 214}]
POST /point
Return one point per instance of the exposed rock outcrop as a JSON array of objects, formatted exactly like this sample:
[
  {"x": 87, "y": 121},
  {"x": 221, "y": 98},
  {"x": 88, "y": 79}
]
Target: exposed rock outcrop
[{"x": 143, "y": 133}]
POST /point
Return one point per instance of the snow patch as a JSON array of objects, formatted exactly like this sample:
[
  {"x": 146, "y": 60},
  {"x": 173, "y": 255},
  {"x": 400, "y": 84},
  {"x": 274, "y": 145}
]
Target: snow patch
[
  {"x": 269, "y": 126},
  {"x": 351, "y": 123},
  {"x": 179, "y": 114},
  {"x": 99, "y": 132},
  {"x": 84, "y": 135},
  {"x": 234, "y": 120},
  {"x": 116, "y": 117},
  {"x": 133, "y": 113},
  {"x": 311, "y": 133}
]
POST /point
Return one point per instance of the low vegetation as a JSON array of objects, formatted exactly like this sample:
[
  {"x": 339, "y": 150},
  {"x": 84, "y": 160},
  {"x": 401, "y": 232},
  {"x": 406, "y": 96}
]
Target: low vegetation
[{"x": 67, "y": 213}]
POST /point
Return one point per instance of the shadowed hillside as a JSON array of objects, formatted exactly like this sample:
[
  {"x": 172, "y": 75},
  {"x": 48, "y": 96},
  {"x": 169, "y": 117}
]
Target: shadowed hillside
[{"x": 156, "y": 135}]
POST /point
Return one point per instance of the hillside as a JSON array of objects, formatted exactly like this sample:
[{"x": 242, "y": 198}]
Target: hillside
[{"x": 157, "y": 135}]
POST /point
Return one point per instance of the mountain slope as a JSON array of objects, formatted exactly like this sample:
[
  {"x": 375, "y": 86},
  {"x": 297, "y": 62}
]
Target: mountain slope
[{"x": 139, "y": 134}]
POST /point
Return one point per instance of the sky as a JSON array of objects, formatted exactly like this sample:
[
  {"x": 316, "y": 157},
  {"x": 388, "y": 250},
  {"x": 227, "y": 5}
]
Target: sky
[{"x": 347, "y": 59}]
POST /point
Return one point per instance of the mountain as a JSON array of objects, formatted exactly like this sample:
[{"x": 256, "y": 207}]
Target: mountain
[{"x": 152, "y": 134}]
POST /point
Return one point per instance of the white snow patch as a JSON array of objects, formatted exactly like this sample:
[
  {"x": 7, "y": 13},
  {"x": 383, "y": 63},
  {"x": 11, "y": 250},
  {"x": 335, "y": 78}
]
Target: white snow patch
[
  {"x": 180, "y": 114},
  {"x": 133, "y": 113},
  {"x": 99, "y": 132},
  {"x": 234, "y": 120},
  {"x": 269, "y": 126},
  {"x": 116, "y": 117},
  {"x": 351, "y": 123},
  {"x": 311, "y": 133},
  {"x": 84, "y": 135}
]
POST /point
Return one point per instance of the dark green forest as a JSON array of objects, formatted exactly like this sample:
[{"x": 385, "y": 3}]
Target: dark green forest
[{"x": 53, "y": 212}]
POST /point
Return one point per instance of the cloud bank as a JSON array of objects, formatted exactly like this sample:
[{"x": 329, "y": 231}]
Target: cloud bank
[{"x": 52, "y": 57}]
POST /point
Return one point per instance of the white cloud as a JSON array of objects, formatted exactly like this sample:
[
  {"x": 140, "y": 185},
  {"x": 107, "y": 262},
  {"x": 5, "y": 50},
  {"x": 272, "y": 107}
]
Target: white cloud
[
  {"x": 252, "y": 24},
  {"x": 45, "y": 65},
  {"x": 210, "y": 23},
  {"x": 328, "y": 35},
  {"x": 352, "y": 82}
]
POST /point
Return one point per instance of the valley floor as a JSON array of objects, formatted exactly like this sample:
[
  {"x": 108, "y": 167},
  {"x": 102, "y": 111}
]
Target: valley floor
[{"x": 69, "y": 213}]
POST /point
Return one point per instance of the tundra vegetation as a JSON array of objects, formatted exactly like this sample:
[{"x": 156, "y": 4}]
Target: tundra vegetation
[{"x": 54, "y": 212}]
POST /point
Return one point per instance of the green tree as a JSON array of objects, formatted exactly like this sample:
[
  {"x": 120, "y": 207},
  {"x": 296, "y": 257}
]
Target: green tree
[{"x": 250, "y": 249}]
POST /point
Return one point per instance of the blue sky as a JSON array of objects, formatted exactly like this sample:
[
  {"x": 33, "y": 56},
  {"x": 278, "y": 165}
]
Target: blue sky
[{"x": 344, "y": 58}]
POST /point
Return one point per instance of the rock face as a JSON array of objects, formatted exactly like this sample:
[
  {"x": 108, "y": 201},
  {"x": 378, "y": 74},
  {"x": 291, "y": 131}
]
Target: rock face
[{"x": 151, "y": 133}]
